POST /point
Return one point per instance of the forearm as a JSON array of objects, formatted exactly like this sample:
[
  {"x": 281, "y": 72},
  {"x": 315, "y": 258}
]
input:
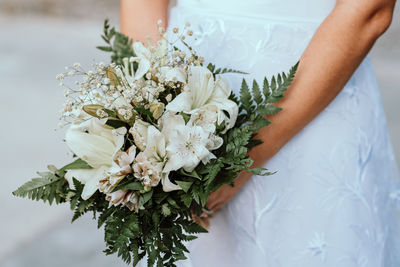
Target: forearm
[
  {"x": 335, "y": 51},
  {"x": 139, "y": 18}
]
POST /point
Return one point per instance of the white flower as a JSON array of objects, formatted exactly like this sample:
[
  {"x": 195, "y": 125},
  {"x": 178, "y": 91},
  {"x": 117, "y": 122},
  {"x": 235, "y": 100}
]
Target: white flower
[
  {"x": 139, "y": 133},
  {"x": 203, "y": 92},
  {"x": 169, "y": 74},
  {"x": 187, "y": 144},
  {"x": 120, "y": 168},
  {"x": 150, "y": 55},
  {"x": 145, "y": 171},
  {"x": 97, "y": 144},
  {"x": 155, "y": 153},
  {"x": 205, "y": 118},
  {"x": 124, "y": 197}
]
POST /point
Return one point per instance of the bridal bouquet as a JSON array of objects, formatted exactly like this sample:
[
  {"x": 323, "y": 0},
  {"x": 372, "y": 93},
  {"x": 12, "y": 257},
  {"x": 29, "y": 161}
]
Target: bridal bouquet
[{"x": 153, "y": 133}]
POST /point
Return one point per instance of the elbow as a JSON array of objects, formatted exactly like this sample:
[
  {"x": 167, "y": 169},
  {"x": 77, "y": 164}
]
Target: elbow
[
  {"x": 381, "y": 17},
  {"x": 375, "y": 16}
]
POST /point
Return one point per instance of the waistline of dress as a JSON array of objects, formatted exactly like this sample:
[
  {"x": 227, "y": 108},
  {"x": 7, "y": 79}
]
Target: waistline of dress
[{"x": 230, "y": 15}]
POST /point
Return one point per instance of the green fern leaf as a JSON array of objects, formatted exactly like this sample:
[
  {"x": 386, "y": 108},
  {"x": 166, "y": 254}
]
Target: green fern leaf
[
  {"x": 266, "y": 87},
  {"x": 257, "y": 93},
  {"x": 245, "y": 97},
  {"x": 48, "y": 188}
]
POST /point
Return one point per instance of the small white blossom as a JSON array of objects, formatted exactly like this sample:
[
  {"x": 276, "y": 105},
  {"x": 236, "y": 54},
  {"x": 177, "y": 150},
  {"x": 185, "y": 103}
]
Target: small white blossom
[
  {"x": 60, "y": 77},
  {"x": 106, "y": 81}
]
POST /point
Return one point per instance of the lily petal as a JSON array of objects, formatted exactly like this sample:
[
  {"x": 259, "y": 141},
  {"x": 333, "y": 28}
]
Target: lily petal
[
  {"x": 143, "y": 68},
  {"x": 201, "y": 85},
  {"x": 92, "y": 185},
  {"x": 168, "y": 186},
  {"x": 141, "y": 51},
  {"x": 82, "y": 175},
  {"x": 89, "y": 177},
  {"x": 95, "y": 150},
  {"x": 182, "y": 102},
  {"x": 228, "y": 106},
  {"x": 173, "y": 74}
]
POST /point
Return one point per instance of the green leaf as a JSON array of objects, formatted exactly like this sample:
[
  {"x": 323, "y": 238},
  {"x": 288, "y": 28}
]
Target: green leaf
[
  {"x": 245, "y": 96},
  {"x": 172, "y": 202},
  {"x": 268, "y": 110},
  {"x": 187, "y": 199},
  {"x": 273, "y": 83},
  {"x": 133, "y": 186},
  {"x": 32, "y": 185},
  {"x": 145, "y": 198},
  {"x": 165, "y": 210},
  {"x": 257, "y": 93},
  {"x": 104, "y": 48},
  {"x": 185, "y": 185},
  {"x": 77, "y": 164},
  {"x": 118, "y": 231},
  {"x": 104, "y": 215},
  {"x": 266, "y": 90},
  {"x": 115, "y": 123},
  {"x": 211, "y": 67},
  {"x": 193, "y": 228},
  {"x": 280, "y": 84},
  {"x": 48, "y": 188},
  {"x": 192, "y": 174}
]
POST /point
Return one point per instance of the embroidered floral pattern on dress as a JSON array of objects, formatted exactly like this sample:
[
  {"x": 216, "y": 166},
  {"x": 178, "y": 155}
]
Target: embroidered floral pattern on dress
[{"x": 335, "y": 199}]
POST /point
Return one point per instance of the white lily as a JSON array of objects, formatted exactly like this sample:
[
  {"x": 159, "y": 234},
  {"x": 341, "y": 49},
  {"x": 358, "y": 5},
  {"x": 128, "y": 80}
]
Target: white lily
[
  {"x": 205, "y": 118},
  {"x": 148, "y": 56},
  {"x": 203, "y": 92},
  {"x": 155, "y": 153},
  {"x": 97, "y": 144},
  {"x": 187, "y": 144}
]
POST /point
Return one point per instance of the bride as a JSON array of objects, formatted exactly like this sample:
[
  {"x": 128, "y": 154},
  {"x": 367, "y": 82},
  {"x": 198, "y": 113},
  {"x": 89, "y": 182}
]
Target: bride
[{"x": 335, "y": 199}]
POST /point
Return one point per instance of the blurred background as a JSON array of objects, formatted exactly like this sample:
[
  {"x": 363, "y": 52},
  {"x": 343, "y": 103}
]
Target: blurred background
[{"x": 37, "y": 39}]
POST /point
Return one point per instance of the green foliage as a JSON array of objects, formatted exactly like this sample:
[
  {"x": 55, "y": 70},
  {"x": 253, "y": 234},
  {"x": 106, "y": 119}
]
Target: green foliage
[
  {"x": 78, "y": 204},
  {"x": 217, "y": 71},
  {"x": 120, "y": 229},
  {"x": 254, "y": 105},
  {"x": 77, "y": 164},
  {"x": 118, "y": 44},
  {"x": 49, "y": 188}
]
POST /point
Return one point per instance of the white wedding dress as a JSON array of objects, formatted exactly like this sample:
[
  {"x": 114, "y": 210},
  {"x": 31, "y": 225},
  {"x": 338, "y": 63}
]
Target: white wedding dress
[{"x": 335, "y": 199}]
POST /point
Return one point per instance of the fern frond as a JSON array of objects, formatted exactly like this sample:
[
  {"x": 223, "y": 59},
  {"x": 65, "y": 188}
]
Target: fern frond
[
  {"x": 246, "y": 98},
  {"x": 258, "y": 98},
  {"x": 47, "y": 188}
]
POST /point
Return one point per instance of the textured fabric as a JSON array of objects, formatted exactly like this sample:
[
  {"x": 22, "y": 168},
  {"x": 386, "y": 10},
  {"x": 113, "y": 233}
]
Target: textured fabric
[{"x": 335, "y": 199}]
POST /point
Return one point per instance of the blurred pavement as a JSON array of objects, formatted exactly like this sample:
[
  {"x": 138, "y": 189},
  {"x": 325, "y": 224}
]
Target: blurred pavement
[{"x": 33, "y": 49}]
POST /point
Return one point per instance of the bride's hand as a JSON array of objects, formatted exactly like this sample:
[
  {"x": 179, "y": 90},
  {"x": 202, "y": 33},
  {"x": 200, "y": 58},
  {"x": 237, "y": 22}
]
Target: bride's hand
[
  {"x": 219, "y": 198},
  {"x": 225, "y": 193}
]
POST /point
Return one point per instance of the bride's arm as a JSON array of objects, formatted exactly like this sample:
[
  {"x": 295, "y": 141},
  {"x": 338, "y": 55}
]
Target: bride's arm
[
  {"x": 335, "y": 51},
  {"x": 139, "y": 18}
]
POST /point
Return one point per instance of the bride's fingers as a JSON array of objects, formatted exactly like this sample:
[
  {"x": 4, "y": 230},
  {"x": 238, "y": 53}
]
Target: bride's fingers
[
  {"x": 218, "y": 206},
  {"x": 211, "y": 204},
  {"x": 204, "y": 215}
]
